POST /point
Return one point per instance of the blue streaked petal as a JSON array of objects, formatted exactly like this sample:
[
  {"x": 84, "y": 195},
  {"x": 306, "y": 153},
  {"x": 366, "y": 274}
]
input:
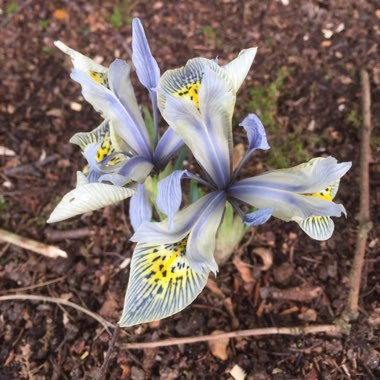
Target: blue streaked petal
[
  {"x": 121, "y": 85},
  {"x": 137, "y": 168},
  {"x": 202, "y": 239},
  {"x": 147, "y": 68},
  {"x": 167, "y": 146},
  {"x": 161, "y": 283},
  {"x": 257, "y": 137},
  {"x": 238, "y": 69},
  {"x": 258, "y": 217},
  {"x": 207, "y": 133},
  {"x": 159, "y": 232},
  {"x": 88, "y": 197},
  {"x": 308, "y": 178},
  {"x": 106, "y": 102},
  {"x": 140, "y": 209},
  {"x": 288, "y": 205},
  {"x": 169, "y": 195}
]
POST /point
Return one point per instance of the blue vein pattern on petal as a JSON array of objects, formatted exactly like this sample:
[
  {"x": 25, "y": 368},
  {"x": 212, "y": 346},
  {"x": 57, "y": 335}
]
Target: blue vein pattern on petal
[
  {"x": 140, "y": 209},
  {"x": 169, "y": 196},
  {"x": 121, "y": 85},
  {"x": 288, "y": 205},
  {"x": 105, "y": 102},
  {"x": 258, "y": 217},
  {"x": 159, "y": 233},
  {"x": 202, "y": 238},
  {"x": 161, "y": 283},
  {"x": 257, "y": 137},
  {"x": 147, "y": 68},
  {"x": 167, "y": 146},
  {"x": 318, "y": 227},
  {"x": 306, "y": 178}
]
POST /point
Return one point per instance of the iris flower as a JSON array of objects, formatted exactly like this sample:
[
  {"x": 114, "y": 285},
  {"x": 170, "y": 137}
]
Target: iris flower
[
  {"x": 120, "y": 153},
  {"x": 173, "y": 258}
]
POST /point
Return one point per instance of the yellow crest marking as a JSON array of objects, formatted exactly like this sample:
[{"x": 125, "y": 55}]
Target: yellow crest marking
[
  {"x": 190, "y": 91},
  {"x": 100, "y": 78},
  {"x": 162, "y": 283}
]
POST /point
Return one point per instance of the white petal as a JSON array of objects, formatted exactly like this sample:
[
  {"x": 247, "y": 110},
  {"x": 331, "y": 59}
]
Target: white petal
[
  {"x": 238, "y": 69},
  {"x": 88, "y": 197},
  {"x": 80, "y": 61}
]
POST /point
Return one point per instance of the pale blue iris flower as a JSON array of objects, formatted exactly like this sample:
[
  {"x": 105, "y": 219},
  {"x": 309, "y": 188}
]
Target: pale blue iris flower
[
  {"x": 120, "y": 153},
  {"x": 173, "y": 258}
]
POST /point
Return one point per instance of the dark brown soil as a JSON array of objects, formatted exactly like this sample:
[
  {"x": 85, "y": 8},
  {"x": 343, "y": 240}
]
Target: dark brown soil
[{"x": 320, "y": 99}]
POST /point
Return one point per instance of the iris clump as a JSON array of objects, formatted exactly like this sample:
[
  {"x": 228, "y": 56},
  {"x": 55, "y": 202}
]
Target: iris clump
[{"x": 174, "y": 257}]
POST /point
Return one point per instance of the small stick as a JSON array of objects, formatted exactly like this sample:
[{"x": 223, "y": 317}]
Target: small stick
[
  {"x": 104, "y": 368},
  {"x": 32, "y": 245},
  {"x": 30, "y": 287},
  {"x": 79, "y": 233},
  {"x": 365, "y": 223},
  {"x": 234, "y": 334},
  {"x": 59, "y": 301}
]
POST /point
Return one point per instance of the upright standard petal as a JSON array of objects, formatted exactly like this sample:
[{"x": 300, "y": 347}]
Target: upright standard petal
[
  {"x": 169, "y": 195},
  {"x": 96, "y": 71},
  {"x": 161, "y": 283},
  {"x": 167, "y": 146},
  {"x": 238, "y": 69},
  {"x": 121, "y": 85},
  {"x": 147, "y": 68},
  {"x": 140, "y": 209},
  {"x": 202, "y": 239},
  {"x": 257, "y": 138},
  {"x": 106, "y": 102},
  {"x": 88, "y": 197},
  {"x": 208, "y": 132}
]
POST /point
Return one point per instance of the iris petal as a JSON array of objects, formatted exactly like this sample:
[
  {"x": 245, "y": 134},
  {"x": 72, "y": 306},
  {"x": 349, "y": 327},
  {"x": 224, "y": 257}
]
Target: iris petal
[
  {"x": 238, "y": 69},
  {"x": 88, "y": 197},
  {"x": 161, "y": 283},
  {"x": 140, "y": 209},
  {"x": 147, "y": 68},
  {"x": 106, "y": 102},
  {"x": 202, "y": 239}
]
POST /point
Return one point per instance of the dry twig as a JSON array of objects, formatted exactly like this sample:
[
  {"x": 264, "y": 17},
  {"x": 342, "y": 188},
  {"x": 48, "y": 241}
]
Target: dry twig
[
  {"x": 365, "y": 224},
  {"x": 59, "y": 301},
  {"x": 332, "y": 329},
  {"x": 32, "y": 245}
]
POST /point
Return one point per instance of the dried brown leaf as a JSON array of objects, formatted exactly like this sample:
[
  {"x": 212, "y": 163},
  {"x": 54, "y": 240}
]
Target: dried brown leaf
[
  {"x": 246, "y": 273},
  {"x": 218, "y": 347}
]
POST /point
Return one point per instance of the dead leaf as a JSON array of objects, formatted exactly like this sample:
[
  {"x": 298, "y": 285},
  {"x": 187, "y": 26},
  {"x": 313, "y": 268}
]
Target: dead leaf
[
  {"x": 237, "y": 155},
  {"x": 246, "y": 273},
  {"x": 213, "y": 287},
  {"x": 230, "y": 308},
  {"x": 218, "y": 347},
  {"x": 60, "y": 14},
  {"x": 266, "y": 256}
]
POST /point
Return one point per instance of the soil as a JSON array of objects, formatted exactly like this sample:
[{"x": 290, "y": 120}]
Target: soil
[{"x": 41, "y": 108}]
